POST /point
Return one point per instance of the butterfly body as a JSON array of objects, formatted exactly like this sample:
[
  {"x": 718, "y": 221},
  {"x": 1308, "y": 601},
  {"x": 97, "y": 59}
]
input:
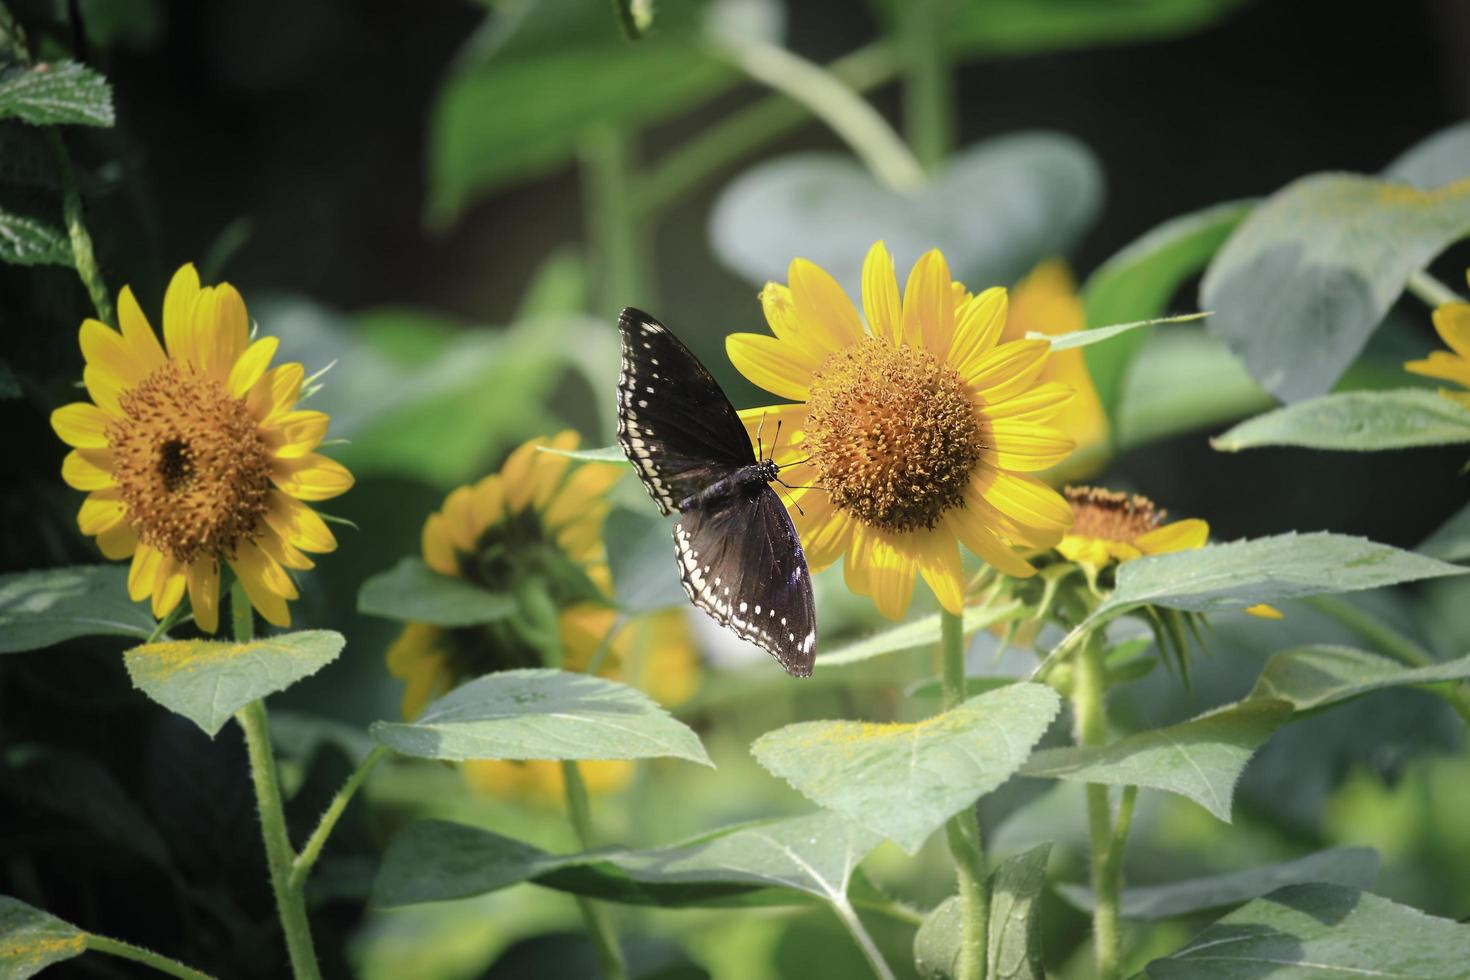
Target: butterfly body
[{"x": 739, "y": 556}]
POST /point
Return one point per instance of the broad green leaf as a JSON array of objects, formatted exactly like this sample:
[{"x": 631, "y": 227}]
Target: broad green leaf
[
  {"x": 920, "y": 632},
  {"x": 31, "y": 940},
  {"x": 1451, "y": 542},
  {"x": 1318, "y": 676},
  {"x": 1303, "y": 281},
  {"x": 1014, "y": 948},
  {"x": 55, "y": 94},
  {"x": 413, "y": 592},
  {"x": 1096, "y": 335},
  {"x": 1308, "y": 932},
  {"x": 207, "y": 681},
  {"x": 1245, "y": 573},
  {"x": 1360, "y": 421},
  {"x": 602, "y": 454},
  {"x": 1014, "y": 27},
  {"x": 903, "y": 780},
  {"x": 1039, "y": 191},
  {"x": 1434, "y": 161},
  {"x": 1138, "y": 282},
  {"x": 28, "y": 241},
  {"x": 1353, "y": 867},
  {"x": 640, "y": 556},
  {"x": 780, "y": 862},
  {"x": 1199, "y": 759},
  {"x": 542, "y": 714},
  {"x": 1183, "y": 380},
  {"x": 41, "y": 609}
]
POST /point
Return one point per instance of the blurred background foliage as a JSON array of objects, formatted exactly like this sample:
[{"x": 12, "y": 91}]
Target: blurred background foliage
[{"x": 450, "y": 201}]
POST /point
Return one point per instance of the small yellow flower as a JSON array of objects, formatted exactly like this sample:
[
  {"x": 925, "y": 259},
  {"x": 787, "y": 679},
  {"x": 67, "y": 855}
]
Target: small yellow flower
[
  {"x": 197, "y": 455},
  {"x": 538, "y": 513},
  {"x": 1452, "y": 321},
  {"x": 908, "y": 436},
  {"x": 1046, "y": 301}
]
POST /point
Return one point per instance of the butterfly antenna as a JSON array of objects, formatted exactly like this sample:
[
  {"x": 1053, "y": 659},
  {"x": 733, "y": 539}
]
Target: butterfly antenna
[
  {"x": 792, "y": 500},
  {"x": 776, "y": 444},
  {"x": 760, "y": 427}
]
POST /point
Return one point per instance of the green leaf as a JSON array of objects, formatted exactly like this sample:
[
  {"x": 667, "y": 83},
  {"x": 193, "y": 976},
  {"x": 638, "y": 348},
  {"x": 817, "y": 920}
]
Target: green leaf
[
  {"x": 1360, "y": 421},
  {"x": 1096, "y": 335},
  {"x": 1317, "y": 676},
  {"x": 207, "y": 681},
  {"x": 1354, "y": 867},
  {"x": 28, "y": 241},
  {"x": 542, "y": 714},
  {"x": 920, "y": 632},
  {"x": 413, "y": 592},
  {"x": 41, "y": 609},
  {"x": 1014, "y": 948},
  {"x": 640, "y": 556},
  {"x": 1440, "y": 159},
  {"x": 56, "y": 94},
  {"x": 31, "y": 940},
  {"x": 829, "y": 209},
  {"x": 602, "y": 454},
  {"x": 903, "y": 780},
  {"x": 1451, "y": 542},
  {"x": 1183, "y": 380},
  {"x": 1138, "y": 282},
  {"x": 1013, "y": 27},
  {"x": 1304, "y": 280},
  {"x": 1199, "y": 759},
  {"x": 518, "y": 103},
  {"x": 1306, "y": 932},
  {"x": 781, "y": 862}
]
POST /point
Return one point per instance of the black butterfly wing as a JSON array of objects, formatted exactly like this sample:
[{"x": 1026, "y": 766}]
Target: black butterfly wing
[
  {"x": 674, "y": 423},
  {"x": 741, "y": 561}
]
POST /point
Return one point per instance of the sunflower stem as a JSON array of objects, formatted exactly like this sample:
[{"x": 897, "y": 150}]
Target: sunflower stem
[
  {"x": 1431, "y": 291},
  {"x": 312, "y": 849},
  {"x": 928, "y": 98},
  {"x": 290, "y": 903},
  {"x": 613, "y": 231},
  {"x": 1088, "y": 704},
  {"x": 847, "y": 113},
  {"x": 962, "y": 831},
  {"x": 127, "y": 951},
  {"x": 599, "y": 928}
]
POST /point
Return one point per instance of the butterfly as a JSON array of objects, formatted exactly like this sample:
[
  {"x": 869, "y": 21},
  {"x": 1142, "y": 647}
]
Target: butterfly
[{"x": 739, "y": 557}]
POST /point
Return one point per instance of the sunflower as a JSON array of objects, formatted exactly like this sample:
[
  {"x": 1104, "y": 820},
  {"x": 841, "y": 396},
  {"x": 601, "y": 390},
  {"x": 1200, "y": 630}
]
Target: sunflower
[
  {"x": 910, "y": 436},
  {"x": 197, "y": 454},
  {"x": 1452, "y": 322},
  {"x": 1046, "y": 301},
  {"x": 538, "y": 519}
]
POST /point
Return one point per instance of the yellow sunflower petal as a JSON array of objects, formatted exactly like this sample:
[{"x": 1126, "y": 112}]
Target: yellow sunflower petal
[
  {"x": 137, "y": 332},
  {"x": 143, "y": 571},
  {"x": 1094, "y": 551},
  {"x": 1263, "y": 610},
  {"x": 311, "y": 477},
  {"x": 88, "y": 469},
  {"x": 203, "y": 579},
  {"x": 890, "y": 576},
  {"x": 294, "y": 434},
  {"x": 105, "y": 388},
  {"x": 276, "y": 391},
  {"x": 881, "y": 303},
  {"x": 823, "y": 310},
  {"x": 81, "y": 425},
  {"x": 224, "y": 332},
  {"x": 938, "y": 558},
  {"x": 978, "y": 325},
  {"x": 781, "y": 431},
  {"x": 107, "y": 352},
  {"x": 1452, "y": 320},
  {"x": 283, "y": 552},
  {"x": 549, "y": 468},
  {"x": 118, "y": 541},
  {"x": 297, "y": 523},
  {"x": 773, "y": 365},
  {"x": 1025, "y": 499},
  {"x": 1008, "y": 369},
  {"x": 487, "y": 503},
  {"x": 515, "y": 475},
  {"x": 1179, "y": 536},
  {"x": 101, "y": 511},
  {"x": 179, "y": 300},
  {"x": 266, "y": 584},
  {"x": 1038, "y": 404},
  {"x": 459, "y": 520},
  {"x": 584, "y": 488},
  {"x": 1026, "y": 447},
  {"x": 168, "y": 588},
  {"x": 969, "y": 525},
  {"x": 252, "y": 365},
  {"x": 928, "y": 305},
  {"x": 824, "y": 530},
  {"x": 583, "y": 627},
  {"x": 1444, "y": 365},
  {"x": 809, "y": 348},
  {"x": 437, "y": 547}
]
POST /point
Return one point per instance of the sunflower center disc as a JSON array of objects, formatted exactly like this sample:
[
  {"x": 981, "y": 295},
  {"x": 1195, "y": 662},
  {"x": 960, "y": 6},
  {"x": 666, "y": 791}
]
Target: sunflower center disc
[
  {"x": 893, "y": 434},
  {"x": 190, "y": 464},
  {"x": 1110, "y": 516}
]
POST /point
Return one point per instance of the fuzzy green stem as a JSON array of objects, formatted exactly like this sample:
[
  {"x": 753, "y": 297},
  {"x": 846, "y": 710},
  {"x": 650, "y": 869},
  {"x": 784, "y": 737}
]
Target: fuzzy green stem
[
  {"x": 927, "y": 94},
  {"x": 726, "y": 142},
  {"x": 599, "y": 928},
  {"x": 1431, "y": 291},
  {"x": 312, "y": 849},
  {"x": 617, "y": 243},
  {"x": 847, "y": 113},
  {"x": 289, "y": 901},
  {"x": 1088, "y": 704},
  {"x": 962, "y": 830},
  {"x": 127, "y": 951}
]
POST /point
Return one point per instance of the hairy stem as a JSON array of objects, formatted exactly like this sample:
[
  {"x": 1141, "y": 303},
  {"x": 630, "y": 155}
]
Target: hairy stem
[
  {"x": 1431, "y": 290},
  {"x": 613, "y": 232},
  {"x": 1088, "y": 700},
  {"x": 127, "y": 951},
  {"x": 599, "y": 927},
  {"x": 928, "y": 99},
  {"x": 962, "y": 830},
  {"x": 312, "y": 849}
]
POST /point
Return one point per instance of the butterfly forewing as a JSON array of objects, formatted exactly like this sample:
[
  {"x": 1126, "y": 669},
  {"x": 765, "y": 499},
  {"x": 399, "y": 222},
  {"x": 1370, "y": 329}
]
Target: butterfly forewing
[
  {"x": 742, "y": 564},
  {"x": 674, "y": 423}
]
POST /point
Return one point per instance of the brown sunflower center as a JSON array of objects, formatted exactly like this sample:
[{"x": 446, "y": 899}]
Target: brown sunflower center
[
  {"x": 1111, "y": 516},
  {"x": 190, "y": 464},
  {"x": 893, "y": 433}
]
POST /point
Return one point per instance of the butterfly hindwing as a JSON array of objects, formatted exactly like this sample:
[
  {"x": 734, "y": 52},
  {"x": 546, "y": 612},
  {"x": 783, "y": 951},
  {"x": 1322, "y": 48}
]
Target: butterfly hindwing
[
  {"x": 742, "y": 563},
  {"x": 674, "y": 422}
]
